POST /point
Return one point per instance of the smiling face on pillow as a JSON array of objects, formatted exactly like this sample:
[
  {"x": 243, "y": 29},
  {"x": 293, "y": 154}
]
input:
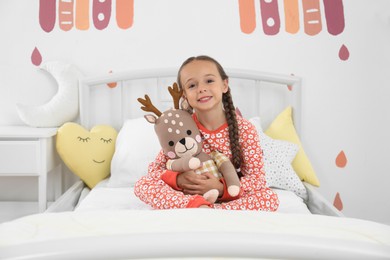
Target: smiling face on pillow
[{"x": 87, "y": 154}]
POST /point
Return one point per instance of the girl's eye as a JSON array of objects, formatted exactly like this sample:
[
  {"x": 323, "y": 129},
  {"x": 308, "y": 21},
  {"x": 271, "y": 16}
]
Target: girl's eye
[
  {"x": 106, "y": 140},
  {"x": 191, "y": 85},
  {"x": 210, "y": 81},
  {"x": 84, "y": 140}
]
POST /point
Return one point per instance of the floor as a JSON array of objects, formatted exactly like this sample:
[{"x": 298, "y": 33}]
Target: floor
[{"x": 10, "y": 210}]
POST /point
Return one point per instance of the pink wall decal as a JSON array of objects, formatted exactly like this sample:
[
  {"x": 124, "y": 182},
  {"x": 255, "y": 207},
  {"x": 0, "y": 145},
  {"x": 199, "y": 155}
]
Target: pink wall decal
[
  {"x": 47, "y": 14},
  {"x": 65, "y": 14},
  {"x": 341, "y": 160},
  {"x": 343, "y": 53},
  {"x": 247, "y": 15},
  {"x": 291, "y": 16},
  {"x": 36, "y": 57},
  {"x": 338, "y": 203},
  {"x": 124, "y": 13},
  {"x": 270, "y": 16},
  {"x": 334, "y": 13},
  {"x": 101, "y": 12},
  {"x": 82, "y": 14},
  {"x": 312, "y": 16}
]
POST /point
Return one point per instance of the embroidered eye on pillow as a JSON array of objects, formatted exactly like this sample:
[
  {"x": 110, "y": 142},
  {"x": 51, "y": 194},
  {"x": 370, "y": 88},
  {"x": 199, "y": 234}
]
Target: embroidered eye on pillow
[{"x": 86, "y": 153}]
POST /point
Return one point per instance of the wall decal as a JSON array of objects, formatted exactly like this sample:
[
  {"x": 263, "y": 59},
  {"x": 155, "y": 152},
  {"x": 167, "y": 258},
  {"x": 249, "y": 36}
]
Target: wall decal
[
  {"x": 334, "y": 13},
  {"x": 36, "y": 57},
  {"x": 65, "y": 14},
  {"x": 247, "y": 16},
  {"x": 344, "y": 53},
  {"x": 338, "y": 203},
  {"x": 111, "y": 84},
  {"x": 76, "y": 13},
  {"x": 82, "y": 14},
  {"x": 101, "y": 13},
  {"x": 270, "y": 16},
  {"x": 124, "y": 13},
  {"x": 311, "y": 10},
  {"x": 291, "y": 16},
  {"x": 341, "y": 160},
  {"x": 312, "y": 16},
  {"x": 47, "y": 14}
]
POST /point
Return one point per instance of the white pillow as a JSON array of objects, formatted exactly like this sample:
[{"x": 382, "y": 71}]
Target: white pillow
[
  {"x": 277, "y": 156},
  {"x": 137, "y": 145}
]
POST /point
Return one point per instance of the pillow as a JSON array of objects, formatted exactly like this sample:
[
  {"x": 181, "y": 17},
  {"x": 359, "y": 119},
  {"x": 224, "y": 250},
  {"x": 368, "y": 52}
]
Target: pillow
[
  {"x": 87, "y": 154},
  {"x": 277, "y": 156},
  {"x": 137, "y": 145},
  {"x": 283, "y": 128},
  {"x": 63, "y": 106}
]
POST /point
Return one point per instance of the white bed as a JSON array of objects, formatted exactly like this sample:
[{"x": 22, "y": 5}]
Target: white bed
[{"x": 109, "y": 222}]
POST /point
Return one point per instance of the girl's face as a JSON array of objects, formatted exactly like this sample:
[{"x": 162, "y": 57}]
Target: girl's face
[{"x": 203, "y": 86}]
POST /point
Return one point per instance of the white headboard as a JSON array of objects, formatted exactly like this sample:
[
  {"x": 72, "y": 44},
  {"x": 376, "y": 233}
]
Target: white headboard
[{"x": 255, "y": 93}]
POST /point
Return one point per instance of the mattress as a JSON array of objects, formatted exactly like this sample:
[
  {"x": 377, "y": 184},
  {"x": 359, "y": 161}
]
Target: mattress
[{"x": 102, "y": 197}]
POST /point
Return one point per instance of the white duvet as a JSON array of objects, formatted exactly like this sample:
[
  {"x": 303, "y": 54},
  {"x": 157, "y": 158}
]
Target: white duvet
[{"x": 192, "y": 232}]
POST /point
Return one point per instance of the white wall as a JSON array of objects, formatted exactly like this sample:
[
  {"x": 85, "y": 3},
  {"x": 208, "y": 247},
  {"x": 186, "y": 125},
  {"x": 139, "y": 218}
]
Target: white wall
[{"x": 344, "y": 102}]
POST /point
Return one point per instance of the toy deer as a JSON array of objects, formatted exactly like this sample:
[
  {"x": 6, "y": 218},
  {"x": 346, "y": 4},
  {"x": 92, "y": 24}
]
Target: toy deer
[{"x": 181, "y": 141}]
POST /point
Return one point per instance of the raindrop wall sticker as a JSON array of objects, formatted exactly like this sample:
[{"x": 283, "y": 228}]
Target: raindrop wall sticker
[
  {"x": 36, "y": 57},
  {"x": 343, "y": 53},
  {"x": 338, "y": 203},
  {"x": 111, "y": 84},
  {"x": 341, "y": 160}
]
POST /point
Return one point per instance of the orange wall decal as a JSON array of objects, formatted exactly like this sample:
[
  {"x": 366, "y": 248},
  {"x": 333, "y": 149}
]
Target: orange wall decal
[
  {"x": 82, "y": 14},
  {"x": 341, "y": 160},
  {"x": 247, "y": 15},
  {"x": 338, "y": 203}
]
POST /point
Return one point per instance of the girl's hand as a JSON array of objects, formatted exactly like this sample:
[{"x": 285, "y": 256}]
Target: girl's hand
[{"x": 193, "y": 183}]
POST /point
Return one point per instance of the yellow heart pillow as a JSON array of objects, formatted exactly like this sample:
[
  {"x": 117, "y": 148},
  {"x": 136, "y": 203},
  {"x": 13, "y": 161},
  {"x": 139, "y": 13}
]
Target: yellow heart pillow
[
  {"x": 87, "y": 154},
  {"x": 283, "y": 128}
]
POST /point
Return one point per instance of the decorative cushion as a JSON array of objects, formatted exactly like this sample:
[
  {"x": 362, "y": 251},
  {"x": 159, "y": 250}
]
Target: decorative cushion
[
  {"x": 283, "y": 128},
  {"x": 136, "y": 147},
  {"x": 277, "y": 156},
  {"x": 63, "y": 106},
  {"x": 87, "y": 154}
]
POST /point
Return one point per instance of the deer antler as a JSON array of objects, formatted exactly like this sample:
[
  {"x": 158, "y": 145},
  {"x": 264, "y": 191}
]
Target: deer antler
[
  {"x": 176, "y": 94},
  {"x": 148, "y": 106}
]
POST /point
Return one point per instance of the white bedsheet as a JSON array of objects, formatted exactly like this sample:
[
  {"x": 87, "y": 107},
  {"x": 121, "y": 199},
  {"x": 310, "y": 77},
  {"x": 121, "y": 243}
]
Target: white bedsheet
[
  {"x": 103, "y": 197},
  {"x": 172, "y": 232}
]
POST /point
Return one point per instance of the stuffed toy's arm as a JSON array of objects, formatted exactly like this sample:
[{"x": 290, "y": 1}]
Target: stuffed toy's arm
[
  {"x": 183, "y": 164},
  {"x": 228, "y": 172}
]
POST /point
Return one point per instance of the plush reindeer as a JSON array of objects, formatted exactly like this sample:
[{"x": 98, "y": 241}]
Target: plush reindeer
[{"x": 181, "y": 141}]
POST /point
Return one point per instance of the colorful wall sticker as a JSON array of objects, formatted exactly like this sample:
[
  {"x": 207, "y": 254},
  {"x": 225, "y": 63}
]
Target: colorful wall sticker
[{"x": 36, "y": 57}]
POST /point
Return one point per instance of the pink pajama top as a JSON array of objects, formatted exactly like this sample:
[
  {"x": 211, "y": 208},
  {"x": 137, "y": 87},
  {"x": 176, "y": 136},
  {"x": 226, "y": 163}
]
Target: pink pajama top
[{"x": 159, "y": 188}]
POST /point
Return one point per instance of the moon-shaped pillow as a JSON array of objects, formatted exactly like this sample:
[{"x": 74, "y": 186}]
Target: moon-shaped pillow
[{"x": 64, "y": 105}]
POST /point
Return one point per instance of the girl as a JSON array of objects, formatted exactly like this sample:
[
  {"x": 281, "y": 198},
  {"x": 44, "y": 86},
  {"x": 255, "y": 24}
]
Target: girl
[{"x": 206, "y": 89}]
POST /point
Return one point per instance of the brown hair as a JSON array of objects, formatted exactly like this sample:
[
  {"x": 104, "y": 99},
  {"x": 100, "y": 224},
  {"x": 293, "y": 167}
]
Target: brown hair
[{"x": 230, "y": 111}]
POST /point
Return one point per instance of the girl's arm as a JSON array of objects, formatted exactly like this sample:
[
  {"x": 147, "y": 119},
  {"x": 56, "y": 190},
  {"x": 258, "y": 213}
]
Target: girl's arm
[
  {"x": 152, "y": 190},
  {"x": 254, "y": 193}
]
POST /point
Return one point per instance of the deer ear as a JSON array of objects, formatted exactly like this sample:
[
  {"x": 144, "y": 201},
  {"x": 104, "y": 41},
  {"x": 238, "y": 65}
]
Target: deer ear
[{"x": 150, "y": 118}]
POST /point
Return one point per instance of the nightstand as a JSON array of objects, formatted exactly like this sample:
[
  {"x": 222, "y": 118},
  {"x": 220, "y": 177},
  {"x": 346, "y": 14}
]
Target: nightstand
[{"x": 30, "y": 151}]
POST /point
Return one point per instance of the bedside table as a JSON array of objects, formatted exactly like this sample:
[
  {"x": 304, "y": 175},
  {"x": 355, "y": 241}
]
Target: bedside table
[{"x": 30, "y": 151}]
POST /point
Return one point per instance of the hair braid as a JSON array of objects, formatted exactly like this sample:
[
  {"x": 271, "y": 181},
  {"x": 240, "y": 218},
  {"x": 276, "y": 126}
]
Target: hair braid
[{"x": 231, "y": 119}]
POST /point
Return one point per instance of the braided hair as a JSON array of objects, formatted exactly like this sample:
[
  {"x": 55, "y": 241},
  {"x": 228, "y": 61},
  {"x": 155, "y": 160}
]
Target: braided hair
[{"x": 230, "y": 111}]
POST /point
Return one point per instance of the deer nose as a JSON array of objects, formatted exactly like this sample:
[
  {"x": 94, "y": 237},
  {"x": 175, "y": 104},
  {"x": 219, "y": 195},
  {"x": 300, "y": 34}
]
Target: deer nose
[{"x": 183, "y": 141}]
